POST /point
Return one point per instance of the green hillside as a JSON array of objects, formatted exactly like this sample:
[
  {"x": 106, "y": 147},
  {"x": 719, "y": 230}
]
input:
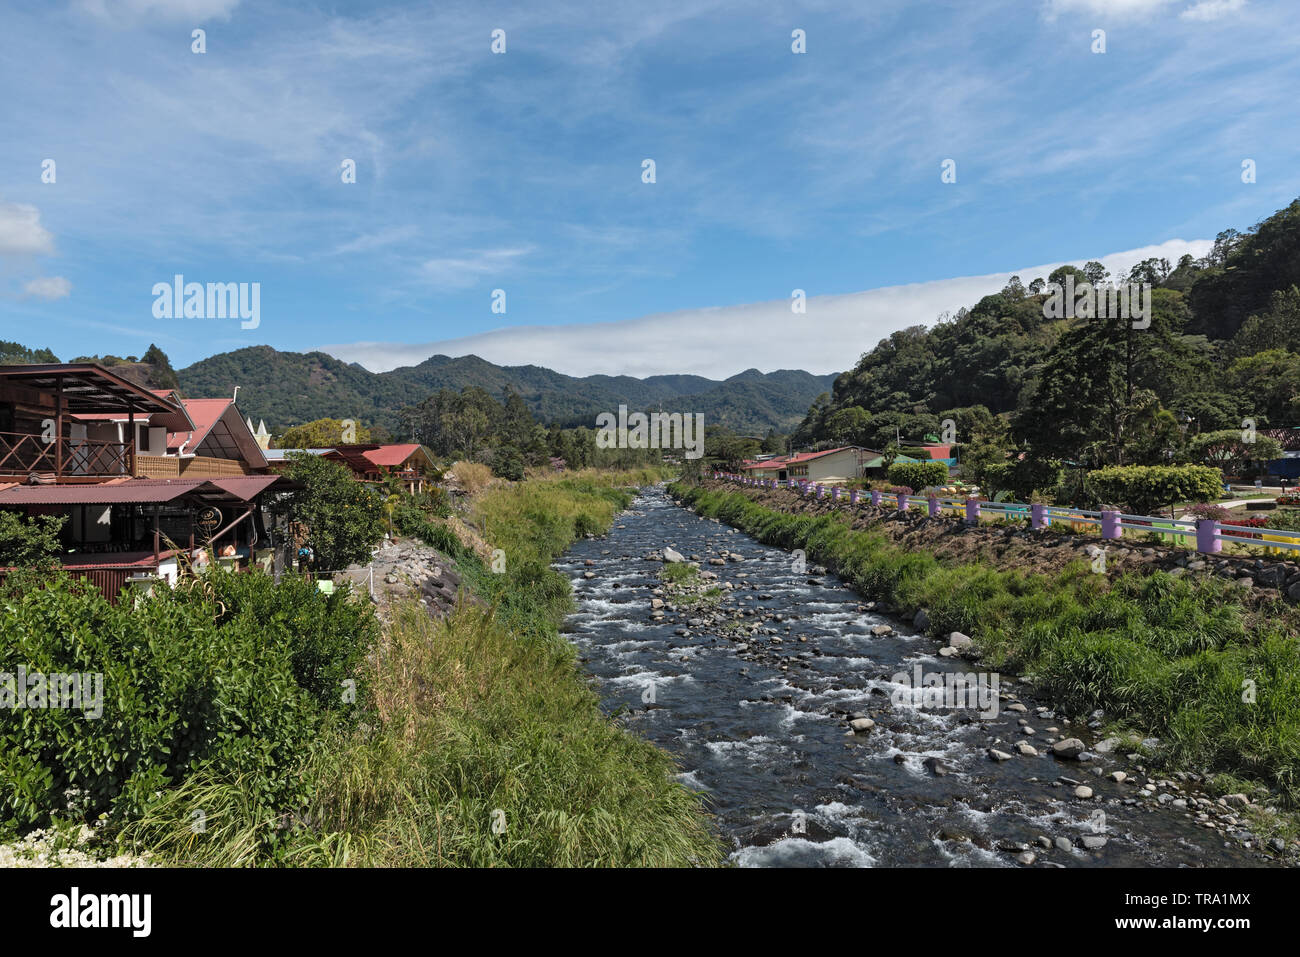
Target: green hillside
[{"x": 288, "y": 388}]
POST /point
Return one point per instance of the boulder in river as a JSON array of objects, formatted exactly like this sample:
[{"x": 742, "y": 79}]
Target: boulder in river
[
  {"x": 672, "y": 555},
  {"x": 1068, "y": 748}
]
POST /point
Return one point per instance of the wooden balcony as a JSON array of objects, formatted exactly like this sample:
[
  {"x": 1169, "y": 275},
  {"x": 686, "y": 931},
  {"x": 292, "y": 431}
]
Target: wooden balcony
[
  {"x": 67, "y": 460},
  {"x": 196, "y": 466},
  {"x": 24, "y": 454}
]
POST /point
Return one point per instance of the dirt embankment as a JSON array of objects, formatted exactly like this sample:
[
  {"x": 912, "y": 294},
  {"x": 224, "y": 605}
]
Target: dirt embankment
[{"x": 1014, "y": 546}]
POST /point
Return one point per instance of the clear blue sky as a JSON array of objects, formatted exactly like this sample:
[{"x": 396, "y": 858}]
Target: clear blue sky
[{"x": 523, "y": 171}]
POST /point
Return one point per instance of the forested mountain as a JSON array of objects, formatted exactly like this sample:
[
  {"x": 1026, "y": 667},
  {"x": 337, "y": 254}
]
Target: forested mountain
[
  {"x": 1021, "y": 382},
  {"x": 288, "y": 388}
]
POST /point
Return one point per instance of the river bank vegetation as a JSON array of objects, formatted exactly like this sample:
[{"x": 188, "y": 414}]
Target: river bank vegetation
[
  {"x": 1180, "y": 658},
  {"x": 279, "y": 727}
]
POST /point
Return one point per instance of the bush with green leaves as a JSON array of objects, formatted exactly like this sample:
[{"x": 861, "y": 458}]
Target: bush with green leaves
[
  {"x": 1023, "y": 478},
  {"x": 25, "y": 542},
  {"x": 918, "y": 474},
  {"x": 1145, "y": 488},
  {"x": 341, "y": 518},
  {"x": 235, "y": 679}
]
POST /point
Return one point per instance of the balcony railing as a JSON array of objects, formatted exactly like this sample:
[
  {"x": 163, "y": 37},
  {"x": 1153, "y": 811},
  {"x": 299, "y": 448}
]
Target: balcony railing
[{"x": 23, "y": 454}]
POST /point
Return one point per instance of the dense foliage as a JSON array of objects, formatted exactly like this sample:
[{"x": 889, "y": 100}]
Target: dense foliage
[
  {"x": 232, "y": 677},
  {"x": 29, "y": 541},
  {"x": 1146, "y": 488},
  {"x": 340, "y": 519},
  {"x": 324, "y": 434},
  {"x": 1221, "y": 352},
  {"x": 288, "y": 388},
  {"x": 918, "y": 475}
]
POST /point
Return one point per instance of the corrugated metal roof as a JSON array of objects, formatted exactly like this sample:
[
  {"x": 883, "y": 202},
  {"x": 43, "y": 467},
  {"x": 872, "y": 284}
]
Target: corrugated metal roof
[
  {"x": 107, "y": 493},
  {"x": 389, "y": 455},
  {"x": 146, "y": 491},
  {"x": 245, "y": 487}
]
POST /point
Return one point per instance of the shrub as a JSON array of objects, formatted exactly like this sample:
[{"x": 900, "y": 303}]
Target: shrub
[
  {"x": 1024, "y": 478},
  {"x": 508, "y": 463},
  {"x": 1145, "y": 488},
  {"x": 187, "y": 686},
  {"x": 918, "y": 474},
  {"x": 26, "y": 542}
]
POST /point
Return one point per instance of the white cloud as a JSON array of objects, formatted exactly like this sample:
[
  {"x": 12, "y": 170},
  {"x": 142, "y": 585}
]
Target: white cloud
[
  {"x": 195, "y": 11},
  {"x": 721, "y": 341},
  {"x": 1212, "y": 9},
  {"x": 1137, "y": 9},
  {"x": 368, "y": 242},
  {"x": 1119, "y": 9},
  {"x": 48, "y": 287},
  {"x": 21, "y": 231},
  {"x": 461, "y": 272}
]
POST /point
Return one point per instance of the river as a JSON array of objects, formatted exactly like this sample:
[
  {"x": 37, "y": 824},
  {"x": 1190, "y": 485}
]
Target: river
[{"x": 759, "y": 723}]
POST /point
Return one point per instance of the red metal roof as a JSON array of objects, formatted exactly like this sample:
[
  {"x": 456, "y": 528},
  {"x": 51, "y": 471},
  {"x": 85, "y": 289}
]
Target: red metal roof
[
  {"x": 246, "y": 487},
  {"x": 105, "y": 493},
  {"x": 389, "y": 455},
  {"x": 204, "y": 413},
  {"x": 137, "y": 559},
  {"x": 137, "y": 491},
  {"x": 783, "y": 461}
]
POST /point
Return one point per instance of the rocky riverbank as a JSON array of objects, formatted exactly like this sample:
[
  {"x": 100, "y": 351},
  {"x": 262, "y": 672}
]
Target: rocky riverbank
[
  {"x": 1263, "y": 579},
  {"x": 403, "y": 570},
  {"x": 708, "y": 594}
]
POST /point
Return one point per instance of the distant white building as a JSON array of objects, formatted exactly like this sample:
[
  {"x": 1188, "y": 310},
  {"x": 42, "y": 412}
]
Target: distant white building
[{"x": 828, "y": 467}]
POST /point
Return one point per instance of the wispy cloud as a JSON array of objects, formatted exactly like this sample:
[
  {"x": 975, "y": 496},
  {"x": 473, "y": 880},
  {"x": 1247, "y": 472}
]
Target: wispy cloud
[
  {"x": 190, "y": 11},
  {"x": 461, "y": 272},
  {"x": 721, "y": 341},
  {"x": 1212, "y": 9},
  {"x": 48, "y": 287}
]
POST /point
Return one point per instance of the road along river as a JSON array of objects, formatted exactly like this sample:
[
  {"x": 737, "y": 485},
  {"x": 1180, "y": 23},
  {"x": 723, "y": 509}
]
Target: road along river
[{"x": 755, "y": 697}]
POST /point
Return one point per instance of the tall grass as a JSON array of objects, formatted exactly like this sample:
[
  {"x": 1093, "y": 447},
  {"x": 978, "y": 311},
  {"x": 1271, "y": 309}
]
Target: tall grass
[
  {"x": 483, "y": 745},
  {"x": 1178, "y": 657}
]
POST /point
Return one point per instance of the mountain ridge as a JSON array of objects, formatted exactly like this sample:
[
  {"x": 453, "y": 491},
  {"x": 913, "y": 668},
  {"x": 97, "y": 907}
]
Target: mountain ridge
[{"x": 288, "y": 388}]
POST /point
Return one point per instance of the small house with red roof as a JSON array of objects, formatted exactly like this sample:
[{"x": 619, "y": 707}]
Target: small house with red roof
[
  {"x": 410, "y": 462},
  {"x": 828, "y": 467}
]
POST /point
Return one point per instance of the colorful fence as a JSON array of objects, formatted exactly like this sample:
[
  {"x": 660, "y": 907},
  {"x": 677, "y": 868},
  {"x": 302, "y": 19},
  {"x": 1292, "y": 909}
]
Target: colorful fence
[{"x": 1207, "y": 535}]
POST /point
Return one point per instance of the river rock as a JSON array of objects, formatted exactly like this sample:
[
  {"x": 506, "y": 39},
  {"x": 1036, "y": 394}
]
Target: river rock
[
  {"x": 881, "y": 631},
  {"x": 1083, "y": 792},
  {"x": 959, "y": 641},
  {"x": 672, "y": 555},
  {"x": 922, "y": 620},
  {"x": 996, "y": 755},
  {"x": 861, "y": 725},
  {"x": 1069, "y": 748},
  {"x": 935, "y": 767}
]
